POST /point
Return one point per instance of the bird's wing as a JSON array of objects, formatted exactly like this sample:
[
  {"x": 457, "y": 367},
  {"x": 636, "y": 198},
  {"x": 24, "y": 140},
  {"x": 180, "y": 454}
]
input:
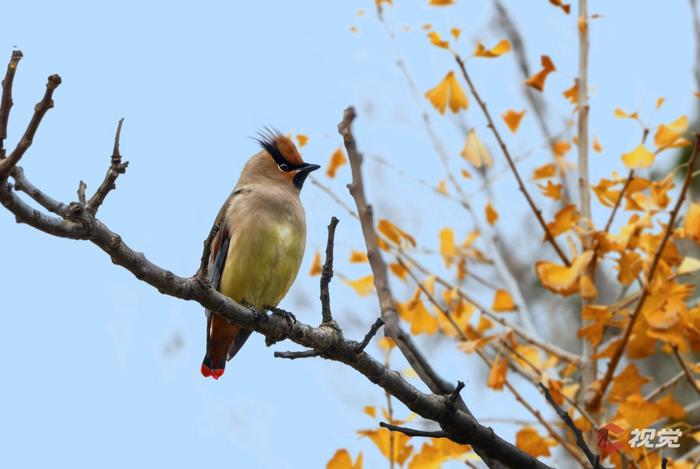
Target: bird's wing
[{"x": 220, "y": 333}]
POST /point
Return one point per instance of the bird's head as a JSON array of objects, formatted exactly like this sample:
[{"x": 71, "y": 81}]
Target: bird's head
[{"x": 286, "y": 157}]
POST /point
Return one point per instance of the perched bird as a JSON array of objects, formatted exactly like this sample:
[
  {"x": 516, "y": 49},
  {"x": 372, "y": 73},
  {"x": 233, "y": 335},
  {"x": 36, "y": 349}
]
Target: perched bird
[{"x": 257, "y": 251}]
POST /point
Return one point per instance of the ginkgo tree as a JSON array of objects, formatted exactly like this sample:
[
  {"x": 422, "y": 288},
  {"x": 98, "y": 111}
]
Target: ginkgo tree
[
  {"x": 600, "y": 403},
  {"x": 644, "y": 249}
]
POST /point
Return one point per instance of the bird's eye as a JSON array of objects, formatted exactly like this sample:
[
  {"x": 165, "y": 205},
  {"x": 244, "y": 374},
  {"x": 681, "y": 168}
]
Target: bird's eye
[{"x": 284, "y": 167}]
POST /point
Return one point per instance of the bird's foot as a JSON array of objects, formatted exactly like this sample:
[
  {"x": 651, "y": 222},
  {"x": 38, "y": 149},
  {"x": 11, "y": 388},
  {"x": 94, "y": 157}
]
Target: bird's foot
[{"x": 289, "y": 317}]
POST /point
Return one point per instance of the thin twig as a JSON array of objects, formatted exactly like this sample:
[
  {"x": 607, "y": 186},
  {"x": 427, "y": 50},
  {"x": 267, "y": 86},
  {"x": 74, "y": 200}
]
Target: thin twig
[
  {"x": 116, "y": 168},
  {"x": 509, "y": 159},
  {"x": 593, "y": 402},
  {"x": 414, "y": 432},
  {"x": 663, "y": 387},
  {"x": 370, "y": 334},
  {"x": 594, "y": 459},
  {"x": 6, "y": 101},
  {"x": 25, "y": 142},
  {"x": 327, "y": 274},
  {"x": 686, "y": 370}
]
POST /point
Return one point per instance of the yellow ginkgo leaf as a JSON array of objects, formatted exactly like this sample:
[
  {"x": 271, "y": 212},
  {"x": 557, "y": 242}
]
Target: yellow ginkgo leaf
[
  {"x": 497, "y": 376},
  {"x": 638, "y": 158},
  {"x": 660, "y": 102},
  {"x": 537, "y": 80},
  {"x": 491, "y": 214},
  {"x": 689, "y": 264},
  {"x": 455, "y": 33},
  {"x": 383, "y": 438},
  {"x": 528, "y": 440},
  {"x": 370, "y": 410},
  {"x": 302, "y": 139},
  {"x": 394, "y": 233},
  {"x": 572, "y": 93},
  {"x": 442, "y": 188},
  {"x": 448, "y": 92},
  {"x": 544, "y": 172},
  {"x": 566, "y": 7},
  {"x": 358, "y": 257},
  {"x": 448, "y": 250},
  {"x": 560, "y": 148},
  {"x": 337, "y": 160},
  {"x": 422, "y": 322},
  {"x": 475, "y": 152},
  {"x": 441, "y": 3},
  {"x": 691, "y": 222},
  {"x": 551, "y": 190},
  {"x": 502, "y": 301},
  {"x": 560, "y": 278},
  {"x": 620, "y": 114},
  {"x": 512, "y": 119},
  {"x": 316, "y": 264},
  {"x": 564, "y": 220},
  {"x": 342, "y": 460},
  {"x": 437, "y": 41},
  {"x": 597, "y": 147},
  {"x": 362, "y": 286},
  {"x": 398, "y": 270},
  {"x": 667, "y": 134},
  {"x": 499, "y": 49}
]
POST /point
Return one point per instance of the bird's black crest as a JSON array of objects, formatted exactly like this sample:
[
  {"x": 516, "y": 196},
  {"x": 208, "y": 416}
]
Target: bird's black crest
[{"x": 267, "y": 138}]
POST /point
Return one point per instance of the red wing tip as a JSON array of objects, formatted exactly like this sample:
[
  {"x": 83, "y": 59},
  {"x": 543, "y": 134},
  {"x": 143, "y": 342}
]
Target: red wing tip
[{"x": 215, "y": 373}]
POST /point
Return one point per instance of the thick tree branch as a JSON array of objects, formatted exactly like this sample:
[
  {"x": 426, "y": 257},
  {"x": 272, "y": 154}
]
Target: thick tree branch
[{"x": 381, "y": 282}]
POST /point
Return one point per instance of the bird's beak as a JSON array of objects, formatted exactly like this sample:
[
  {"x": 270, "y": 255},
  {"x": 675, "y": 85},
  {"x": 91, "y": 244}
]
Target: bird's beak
[{"x": 304, "y": 170}]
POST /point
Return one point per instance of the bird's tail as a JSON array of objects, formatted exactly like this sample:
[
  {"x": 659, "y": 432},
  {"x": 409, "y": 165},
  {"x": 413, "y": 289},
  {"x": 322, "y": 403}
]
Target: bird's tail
[{"x": 224, "y": 340}]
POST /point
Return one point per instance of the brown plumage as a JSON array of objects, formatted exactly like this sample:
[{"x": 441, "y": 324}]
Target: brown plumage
[{"x": 257, "y": 252}]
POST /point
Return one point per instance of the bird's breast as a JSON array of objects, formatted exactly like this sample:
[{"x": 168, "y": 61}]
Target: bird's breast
[{"x": 265, "y": 252}]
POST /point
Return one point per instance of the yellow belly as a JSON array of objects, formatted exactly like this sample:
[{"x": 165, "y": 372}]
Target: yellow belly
[{"x": 262, "y": 262}]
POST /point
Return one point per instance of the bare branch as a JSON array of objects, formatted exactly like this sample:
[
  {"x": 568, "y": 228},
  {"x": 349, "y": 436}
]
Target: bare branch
[
  {"x": 116, "y": 168},
  {"x": 327, "y": 274},
  {"x": 663, "y": 387},
  {"x": 686, "y": 370},
  {"x": 381, "y": 282},
  {"x": 594, "y": 399},
  {"x": 6, "y": 101},
  {"x": 40, "y": 109},
  {"x": 370, "y": 334},
  {"x": 511, "y": 163}
]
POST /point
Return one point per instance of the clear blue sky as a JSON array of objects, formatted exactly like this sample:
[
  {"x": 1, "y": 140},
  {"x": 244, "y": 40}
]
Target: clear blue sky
[{"x": 90, "y": 374}]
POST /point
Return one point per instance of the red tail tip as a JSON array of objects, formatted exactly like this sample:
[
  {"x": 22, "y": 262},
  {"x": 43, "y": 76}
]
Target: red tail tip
[{"x": 215, "y": 373}]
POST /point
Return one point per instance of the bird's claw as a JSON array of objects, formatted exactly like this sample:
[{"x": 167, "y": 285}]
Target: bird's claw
[{"x": 289, "y": 317}]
